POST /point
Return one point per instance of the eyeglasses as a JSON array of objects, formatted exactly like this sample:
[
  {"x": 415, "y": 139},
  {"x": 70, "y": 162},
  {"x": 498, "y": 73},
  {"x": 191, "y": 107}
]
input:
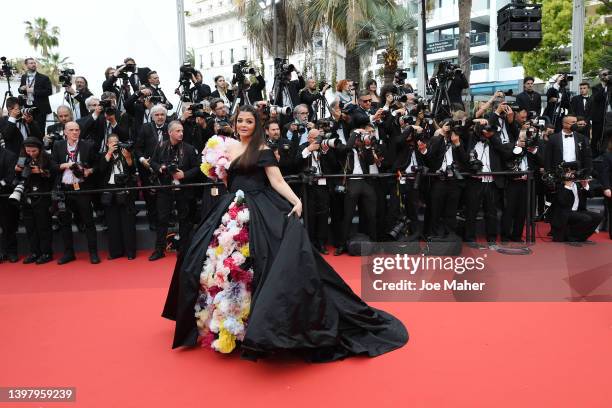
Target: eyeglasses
[{"x": 366, "y": 100}]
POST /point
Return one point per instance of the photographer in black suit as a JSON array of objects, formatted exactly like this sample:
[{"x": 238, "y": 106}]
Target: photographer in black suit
[
  {"x": 199, "y": 91},
  {"x": 138, "y": 78},
  {"x": 529, "y": 99},
  {"x": 55, "y": 132},
  {"x": 38, "y": 172},
  {"x": 138, "y": 106},
  {"x": 601, "y": 111},
  {"x": 36, "y": 88},
  {"x": 116, "y": 169},
  {"x": 77, "y": 162},
  {"x": 77, "y": 95},
  {"x": 9, "y": 215},
  {"x": 150, "y": 137},
  {"x": 252, "y": 90},
  {"x": 175, "y": 162},
  {"x": 157, "y": 94},
  {"x": 18, "y": 125},
  {"x": 568, "y": 146},
  {"x": 104, "y": 121},
  {"x": 122, "y": 92}
]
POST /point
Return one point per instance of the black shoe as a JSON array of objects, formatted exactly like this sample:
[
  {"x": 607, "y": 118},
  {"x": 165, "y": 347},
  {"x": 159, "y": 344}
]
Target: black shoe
[
  {"x": 2, "y": 258},
  {"x": 573, "y": 244},
  {"x": 588, "y": 242},
  {"x": 66, "y": 258},
  {"x": 94, "y": 258},
  {"x": 131, "y": 257},
  {"x": 43, "y": 259},
  {"x": 324, "y": 250},
  {"x": 110, "y": 258},
  {"x": 157, "y": 255},
  {"x": 30, "y": 259},
  {"x": 13, "y": 258},
  {"x": 340, "y": 250}
]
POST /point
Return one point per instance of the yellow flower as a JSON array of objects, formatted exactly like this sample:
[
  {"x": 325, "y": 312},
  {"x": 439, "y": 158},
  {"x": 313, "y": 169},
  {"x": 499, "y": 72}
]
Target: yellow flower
[
  {"x": 245, "y": 250},
  {"x": 219, "y": 250},
  {"x": 212, "y": 142},
  {"x": 205, "y": 167},
  {"x": 226, "y": 341}
]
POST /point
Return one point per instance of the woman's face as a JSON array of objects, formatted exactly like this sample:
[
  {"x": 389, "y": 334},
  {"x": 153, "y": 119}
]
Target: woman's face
[
  {"x": 372, "y": 87},
  {"x": 245, "y": 124}
]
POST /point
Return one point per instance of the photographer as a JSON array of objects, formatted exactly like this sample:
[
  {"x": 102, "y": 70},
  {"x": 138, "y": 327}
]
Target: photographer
[
  {"x": 36, "y": 89},
  {"x": 289, "y": 81},
  {"x": 38, "y": 174},
  {"x": 252, "y": 89},
  {"x": 401, "y": 87},
  {"x": 200, "y": 90},
  {"x": 76, "y": 97},
  {"x": 55, "y": 132},
  {"x": 571, "y": 222},
  {"x": 117, "y": 169},
  {"x": 318, "y": 157},
  {"x": 446, "y": 156},
  {"x": 77, "y": 161},
  {"x": 9, "y": 215},
  {"x": 219, "y": 111},
  {"x": 104, "y": 121},
  {"x": 222, "y": 91},
  {"x": 156, "y": 91},
  {"x": 139, "y": 75},
  {"x": 345, "y": 93},
  {"x": 568, "y": 146},
  {"x": 138, "y": 106},
  {"x": 601, "y": 111},
  {"x": 557, "y": 100},
  {"x": 174, "y": 162},
  {"x": 309, "y": 94},
  {"x": 151, "y": 135},
  {"x": 122, "y": 92},
  {"x": 196, "y": 125},
  {"x": 580, "y": 105},
  {"x": 19, "y": 125},
  {"x": 529, "y": 99},
  {"x": 447, "y": 71},
  {"x": 359, "y": 157},
  {"x": 299, "y": 128}
]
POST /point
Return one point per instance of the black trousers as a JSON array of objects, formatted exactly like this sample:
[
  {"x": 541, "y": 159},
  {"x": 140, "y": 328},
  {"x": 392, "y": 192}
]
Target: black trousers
[
  {"x": 444, "y": 199},
  {"x": 80, "y": 204},
  {"x": 361, "y": 193},
  {"x": 515, "y": 211},
  {"x": 410, "y": 203},
  {"x": 37, "y": 221},
  {"x": 318, "y": 213},
  {"x": 479, "y": 194},
  {"x": 40, "y": 119},
  {"x": 336, "y": 213},
  {"x": 9, "y": 219},
  {"x": 150, "y": 196},
  {"x": 581, "y": 225},
  {"x": 166, "y": 200},
  {"x": 121, "y": 220},
  {"x": 596, "y": 136}
]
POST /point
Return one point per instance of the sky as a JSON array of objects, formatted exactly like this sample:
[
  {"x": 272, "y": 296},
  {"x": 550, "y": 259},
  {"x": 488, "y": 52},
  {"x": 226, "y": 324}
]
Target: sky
[{"x": 96, "y": 35}]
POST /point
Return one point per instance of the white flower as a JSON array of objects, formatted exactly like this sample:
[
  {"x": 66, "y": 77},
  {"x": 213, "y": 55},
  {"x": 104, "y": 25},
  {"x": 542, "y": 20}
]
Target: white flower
[
  {"x": 225, "y": 219},
  {"x": 240, "y": 194},
  {"x": 243, "y": 216},
  {"x": 239, "y": 259},
  {"x": 233, "y": 325}
]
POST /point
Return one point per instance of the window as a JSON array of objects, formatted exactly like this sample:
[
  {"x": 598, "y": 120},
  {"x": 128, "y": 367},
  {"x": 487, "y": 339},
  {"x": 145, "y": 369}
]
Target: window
[
  {"x": 231, "y": 55},
  {"x": 211, "y": 36},
  {"x": 212, "y": 61},
  {"x": 221, "y": 57}
]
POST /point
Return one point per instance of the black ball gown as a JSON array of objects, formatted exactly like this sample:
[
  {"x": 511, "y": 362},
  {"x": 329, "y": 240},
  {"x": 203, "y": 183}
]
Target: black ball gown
[{"x": 296, "y": 302}]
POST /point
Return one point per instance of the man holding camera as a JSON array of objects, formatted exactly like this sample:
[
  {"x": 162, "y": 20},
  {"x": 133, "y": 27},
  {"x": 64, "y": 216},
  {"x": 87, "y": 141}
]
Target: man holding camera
[
  {"x": 175, "y": 162},
  {"x": 19, "y": 125},
  {"x": 36, "y": 88},
  {"x": 558, "y": 101},
  {"x": 104, "y": 121},
  {"x": 138, "y": 106},
  {"x": 122, "y": 92},
  {"x": 156, "y": 92},
  {"x": 199, "y": 91},
  {"x": 568, "y": 146},
  {"x": 601, "y": 111},
  {"x": 139, "y": 75},
  {"x": 37, "y": 171},
  {"x": 55, "y": 132},
  {"x": 77, "y": 161},
  {"x": 309, "y": 95},
  {"x": 76, "y": 97},
  {"x": 290, "y": 81},
  {"x": 252, "y": 89},
  {"x": 9, "y": 215},
  {"x": 529, "y": 99}
]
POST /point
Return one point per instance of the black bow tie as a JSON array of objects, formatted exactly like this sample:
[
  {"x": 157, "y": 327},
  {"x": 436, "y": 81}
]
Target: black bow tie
[{"x": 566, "y": 136}]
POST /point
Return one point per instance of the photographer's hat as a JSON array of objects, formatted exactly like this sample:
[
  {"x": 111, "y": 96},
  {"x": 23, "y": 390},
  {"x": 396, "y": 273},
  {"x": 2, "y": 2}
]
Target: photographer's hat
[{"x": 33, "y": 142}]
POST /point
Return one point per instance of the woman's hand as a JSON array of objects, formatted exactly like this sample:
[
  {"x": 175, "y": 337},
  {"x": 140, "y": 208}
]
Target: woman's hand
[{"x": 297, "y": 210}]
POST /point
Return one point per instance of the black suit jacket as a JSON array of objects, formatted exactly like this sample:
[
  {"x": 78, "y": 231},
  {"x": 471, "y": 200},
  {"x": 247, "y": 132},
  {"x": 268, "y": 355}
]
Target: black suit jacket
[
  {"x": 87, "y": 155},
  {"x": 532, "y": 101},
  {"x": 606, "y": 174},
  {"x": 598, "y": 102},
  {"x": 94, "y": 130},
  {"x": 139, "y": 78},
  {"x": 199, "y": 92},
  {"x": 79, "y": 99},
  {"x": 578, "y": 108},
  {"x": 13, "y": 138},
  {"x": 564, "y": 200},
  {"x": 159, "y": 92},
  {"x": 42, "y": 91},
  {"x": 147, "y": 140},
  {"x": 229, "y": 94},
  {"x": 189, "y": 162},
  {"x": 434, "y": 157},
  {"x": 293, "y": 87},
  {"x": 554, "y": 152},
  {"x": 8, "y": 159}
]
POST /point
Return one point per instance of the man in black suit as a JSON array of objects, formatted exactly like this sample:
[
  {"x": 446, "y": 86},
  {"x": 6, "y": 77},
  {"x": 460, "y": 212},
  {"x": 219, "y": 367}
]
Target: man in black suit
[
  {"x": 103, "y": 122},
  {"x": 18, "y": 126},
  {"x": 252, "y": 93},
  {"x": 529, "y": 99},
  {"x": 601, "y": 111},
  {"x": 288, "y": 92},
  {"x": 150, "y": 137},
  {"x": 36, "y": 88},
  {"x": 571, "y": 222},
  {"x": 557, "y": 101},
  {"x": 174, "y": 153},
  {"x": 55, "y": 132},
  {"x": 199, "y": 91},
  {"x": 77, "y": 160},
  {"x": 568, "y": 146},
  {"x": 156, "y": 91},
  {"x": 139, "y": 75},
  {"x": 9, "y": 215},
  {"x": 76, "y": 97},
  {"x": 580, "y": 105}
]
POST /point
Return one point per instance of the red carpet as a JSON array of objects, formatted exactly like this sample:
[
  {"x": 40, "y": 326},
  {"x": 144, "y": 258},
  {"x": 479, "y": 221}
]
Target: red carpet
[{"x": 98, "y": 328}]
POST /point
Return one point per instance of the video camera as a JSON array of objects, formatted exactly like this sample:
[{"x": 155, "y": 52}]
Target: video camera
[
  {"x": 107, "y": 106},
  {"x": 401, "y": 74},
  {"x": 7, "y": 69},
  {"x": 567, "y": 77},
  {"x": 186, "y": 72},
  {"x": 565, "y": 171},
  {"x": 447, "y": 70},
  {"x": 65, "y": 77},
  {"x": 282, "y": 68}
]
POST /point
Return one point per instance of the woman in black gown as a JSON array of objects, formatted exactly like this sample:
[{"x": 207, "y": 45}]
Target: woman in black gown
[{"x": 295, "y": 301}]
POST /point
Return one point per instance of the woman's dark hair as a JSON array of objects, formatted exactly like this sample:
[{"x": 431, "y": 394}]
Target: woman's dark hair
[
  {"x": 386, "y": 90},
  {"x": 43, "y": 157},
  {"x": 371, "y": 82},
  {"x": 250, "y": 156}
]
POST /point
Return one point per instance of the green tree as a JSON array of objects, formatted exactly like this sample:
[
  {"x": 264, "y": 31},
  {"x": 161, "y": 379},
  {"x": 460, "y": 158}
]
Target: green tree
[
  {"x": 386, "y": 26},
  {"x": 190, "y": 57},
  {"x": 553, "y": 54},
  {"x": 40, "y": 35}
]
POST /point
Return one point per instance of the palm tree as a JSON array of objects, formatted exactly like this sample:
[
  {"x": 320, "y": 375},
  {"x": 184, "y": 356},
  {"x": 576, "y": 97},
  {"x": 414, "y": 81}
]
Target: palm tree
[
  {"x": 387, "y": 26},
  {"x": 190, "y": 57},
  {"x": 40, "y": 35},
  {"x": 50, "y": 66},
  {"x": 293, "y": 32},
  {"x": 342, "y": 17},
  {"x": 465, "y": 28}
]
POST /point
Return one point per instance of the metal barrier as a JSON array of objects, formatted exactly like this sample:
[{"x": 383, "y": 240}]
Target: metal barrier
[{"x": 304, "y": 181}]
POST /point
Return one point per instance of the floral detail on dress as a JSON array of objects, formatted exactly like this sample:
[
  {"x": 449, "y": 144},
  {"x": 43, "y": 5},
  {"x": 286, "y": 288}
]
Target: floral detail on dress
[
  {"x": 224, "y": 300},
  {"x": 215, "y": 160}
]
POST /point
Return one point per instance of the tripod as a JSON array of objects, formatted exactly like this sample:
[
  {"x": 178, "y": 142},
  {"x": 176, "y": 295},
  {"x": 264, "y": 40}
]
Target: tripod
[
  {"x": 322, "y": 106},
  {"x": 441, "y": 105},
  {"x": 279, "y": 87},
  {"x": 8, "y": 93},
  {"x": 185, "y": 96}
]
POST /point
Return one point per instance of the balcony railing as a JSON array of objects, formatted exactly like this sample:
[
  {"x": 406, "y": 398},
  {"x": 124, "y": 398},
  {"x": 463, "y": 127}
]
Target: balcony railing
[{"x": 450, "y": 44}]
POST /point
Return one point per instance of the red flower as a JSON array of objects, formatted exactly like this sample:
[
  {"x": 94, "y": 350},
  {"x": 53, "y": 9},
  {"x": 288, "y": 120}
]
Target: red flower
[
  {"x": 233, "y": 212},
  {"x": 242, "y": 237},
  {"x": 240, "y": 275},
  {"x": 213, "y": 290},
  {"x": 207, "y": 339}
]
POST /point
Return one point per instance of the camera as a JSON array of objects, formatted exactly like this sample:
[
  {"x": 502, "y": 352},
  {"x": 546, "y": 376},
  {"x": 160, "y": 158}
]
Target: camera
[
  {"x": 567, "y": 77},
  {"x": 278, "y": 110},
  {"x": 28, "y": 111},
  {"x": 186, "y": 71},
  {"x": 58, "y": 200},
  {"x": 242, "y": 68},
  {"x": 401, "y": 75},
  {"x": 78, "y": 170},
  {"x": 56, "y": 137},
  {"x": 65, "y": 76},
  {"x": 450, "y": 172},
  {"x": 329, "y": 140},
  {"x": 408, "y": 119},
  {"x": 155, "y": 99},
  {"x": 475, "y": 165},
  {"x": 7, "y": 69},
  {"x": 126, "y": 145},
  {"x": 107, "y": 106},
  {"x": 400, "y": 98},
  {"x": 447, "y": 70}
]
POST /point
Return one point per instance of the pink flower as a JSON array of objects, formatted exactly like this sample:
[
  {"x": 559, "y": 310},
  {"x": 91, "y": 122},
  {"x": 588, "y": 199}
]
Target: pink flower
[
  {"x": 213, "y": 290},
  {"x": 207, "y": 339},
  {"x": 233, "y": 212}
]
